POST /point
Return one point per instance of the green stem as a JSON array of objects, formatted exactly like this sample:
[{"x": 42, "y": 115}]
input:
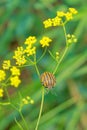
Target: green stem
[
  {"x": 38, "y": 73},
  {"x": 23, "y": 120},
  {"x": 7, "y": 80},
  {"x": 35, "y": 64},
  {"x": 41, "y": 107},
  {"x": 42, "y": 55},
  {"x": 28, "y": 59},
  {"x": 52, "y": 55},
  {"x": 10, "y": 100},
  {"x": 16, "y": 109},
  {"x": 5, "y": 103},
  {"x": 60, "y": 60},
  {"x": 25, "y": 65},
  {"x": 18, "y": 124},
  {"x": 64, "y": 29}
]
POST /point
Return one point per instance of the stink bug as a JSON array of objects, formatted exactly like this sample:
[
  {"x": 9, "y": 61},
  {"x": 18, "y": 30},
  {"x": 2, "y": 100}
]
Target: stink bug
[{"x": 48, "y": 80}]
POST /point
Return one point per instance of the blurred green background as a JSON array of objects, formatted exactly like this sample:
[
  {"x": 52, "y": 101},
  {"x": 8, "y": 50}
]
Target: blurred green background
[{"x": 66, "y": 107}]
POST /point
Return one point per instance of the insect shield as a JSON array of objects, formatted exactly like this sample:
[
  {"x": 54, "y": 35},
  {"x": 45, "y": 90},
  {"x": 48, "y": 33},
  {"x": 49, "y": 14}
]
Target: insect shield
[{"x": 48, "y": 80}]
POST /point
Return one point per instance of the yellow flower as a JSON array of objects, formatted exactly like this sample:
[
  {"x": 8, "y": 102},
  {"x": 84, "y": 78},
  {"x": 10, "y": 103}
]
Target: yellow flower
[
  {"x": 68, "y": 36},
  {"x": 45, "y": 41},
  {"x": 30, "y": 50},
  {"x": 6, "y": 64},
  {"x": 25, "y": 101},
  {"x": 68, "y": 16},
  {"x": 47, "y": 23},
  {"x": 2, "y": 75},
  {"x": 56, "y": 21},
  {"x": 57, "y": 55},
  {"x": 28, "y": 97},
  {"x": 19, "y": 56},
  {"x": 1, "y": 92},
  {"x": 71, "y": 39},
  {"x": 15, "y": 81},
  {"x": 30, "y": 40},
  {"x": 73, "y": 10},
  {"x": 60, "y": 13},
  {"x": 32, "y": 101},
  {"x": 74, "y": 39},
  {"x": 15, "y": 70}
]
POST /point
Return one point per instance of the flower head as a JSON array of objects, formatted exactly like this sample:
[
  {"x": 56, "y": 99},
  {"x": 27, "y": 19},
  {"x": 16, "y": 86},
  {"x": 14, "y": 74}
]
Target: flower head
[
  {"x": 2, "y": 75},
  {"x": 73, "y": 10},
  {"x": 68, "y": 16},
  {"x": 15, "y": 81},
  {"x": 71, "y": 39},
  {"x": 45, "y": 41},
  {"x": 30, "y": 50},
  {"x": 27, "y": 100},
  {"x": 1, "y": 92},
  {"x": 47, "y": 23},
  {"x": 6, "y": 64},
  {"x": 15, "y": 71},
  {"x": 56, "y": 21},
  {"x": 60, "y": 13},
  {"x": 60, "y": 17},
  {"x": 19, "y": 56},
  {"x": 30, "y": 40}
]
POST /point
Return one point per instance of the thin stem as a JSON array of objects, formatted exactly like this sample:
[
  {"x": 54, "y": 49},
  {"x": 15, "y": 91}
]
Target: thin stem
[
  {"x": 64, "y": 29},
  {"x": 15, "y": 107},
  {"x": 52, "y": 55},
  {"x": 37, "y": 70},
  {"x": 41, "y": 107},
  {"x": 60, "y": 60},
  {"x": 38, "y": 73},
  {"x": 64, "y": 50},
  {"x": 29, "y": 59},
  {"x": 25, "y": 65},
  {"x": 23, "y": 120},
  {"x": 10, "y": 100},
  {"x": 5, "y": 103},
  {"x": 18, "y": 124},
  {"x": 42, "y": 55},
  {"x": 7, "y": 80}
]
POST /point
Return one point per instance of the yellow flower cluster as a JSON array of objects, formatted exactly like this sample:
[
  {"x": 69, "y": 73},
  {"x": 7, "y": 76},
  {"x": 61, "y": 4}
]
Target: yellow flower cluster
[
  {"x": 1, "y": 92},
  {"x": 2, "y": 75},
  {"x": 45, "y": 41},
  {"x": 57, "y": 21},
  {"x": 6, "y": 64},
  {"x": 14, "y": 79},
  {"x": 19, "y": 56},
  {"x": 15, "y": 71},
  {"x": 27, "y": 100},
  {"x": 21, "y": 53},
  {"x": 30, "y": 49},
  {"x": 71, "y": 39},
  {"x": 30, "y": 40}
]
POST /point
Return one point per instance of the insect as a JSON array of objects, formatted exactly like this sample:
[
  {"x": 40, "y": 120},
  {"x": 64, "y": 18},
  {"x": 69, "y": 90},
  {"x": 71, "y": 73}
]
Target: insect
[{"x": 48, "y": 80}]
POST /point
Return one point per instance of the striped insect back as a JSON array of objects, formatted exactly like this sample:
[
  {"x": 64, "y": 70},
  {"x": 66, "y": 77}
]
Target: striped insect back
[{"x": 48, "y": 80}]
